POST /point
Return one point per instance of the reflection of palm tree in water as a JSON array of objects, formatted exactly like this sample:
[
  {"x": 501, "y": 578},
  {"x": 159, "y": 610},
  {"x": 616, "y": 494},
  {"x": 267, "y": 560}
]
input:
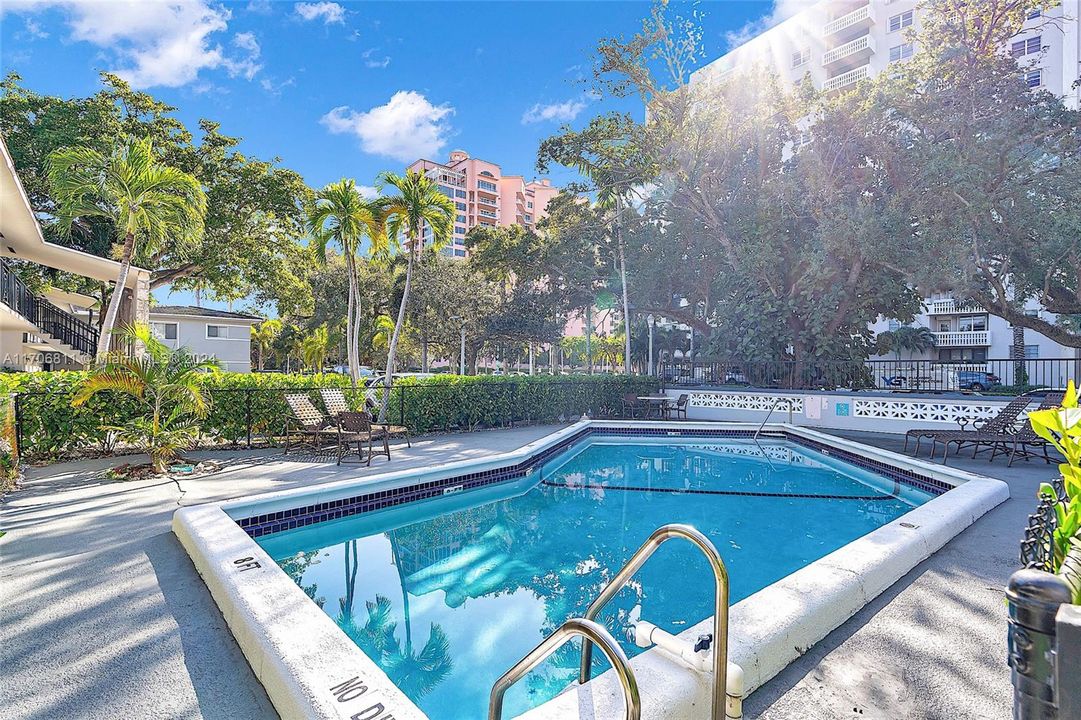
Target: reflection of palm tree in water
[{"x": 415, "y": 674}]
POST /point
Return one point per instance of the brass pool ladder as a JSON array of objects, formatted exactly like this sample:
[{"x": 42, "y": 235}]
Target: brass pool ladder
[{"x": 593, "y": 632}]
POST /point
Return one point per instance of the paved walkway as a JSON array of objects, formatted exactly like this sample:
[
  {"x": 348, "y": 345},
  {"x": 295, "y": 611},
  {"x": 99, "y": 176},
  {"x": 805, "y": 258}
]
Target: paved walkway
[{"x": 103, "y": 615}]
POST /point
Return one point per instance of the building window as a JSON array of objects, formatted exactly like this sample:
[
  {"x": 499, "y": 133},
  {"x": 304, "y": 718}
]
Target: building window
[
  {"x": 485, "y": 185},
  {"x": 460, "y": 218},
  {"x": 901, "y": 52},
  {"x": 459, "y": 193},
  {"x": 485, "y": 173},
  {"x": 901, "y": 20},
  {"x": 893, "y": 325},
  {"x": 165, "y": 331},
  {"x": 459, "y": 229},
  {"x": 972, "y": 323},
  {"x": 1033, "y": 14},
  {"x": 801, "y": 57},
  {"x": 1031, "y": 46},
  {"x": 217, "y": 331},
  {"x": 449, "y": 192},
  {"x": 460, "y": 206},
  {"x": 459, "y": 253},
  {"x": 1032, "y": 352},
  {"x": 1032, "y": 312},
  {"x": 529, "y": 204},
  {"x": 1034, "y": 78}
]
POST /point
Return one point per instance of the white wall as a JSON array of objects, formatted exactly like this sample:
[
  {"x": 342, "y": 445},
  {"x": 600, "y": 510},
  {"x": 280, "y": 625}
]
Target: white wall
[{"x": 233, "y": 352}]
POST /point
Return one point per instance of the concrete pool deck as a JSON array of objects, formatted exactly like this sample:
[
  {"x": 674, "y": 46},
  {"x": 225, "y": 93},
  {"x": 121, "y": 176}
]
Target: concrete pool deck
[{"x": 104, "y": 615}]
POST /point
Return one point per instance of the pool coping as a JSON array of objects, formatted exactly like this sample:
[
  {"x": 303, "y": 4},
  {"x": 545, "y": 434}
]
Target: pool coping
[{"x": 310, "y": 668}]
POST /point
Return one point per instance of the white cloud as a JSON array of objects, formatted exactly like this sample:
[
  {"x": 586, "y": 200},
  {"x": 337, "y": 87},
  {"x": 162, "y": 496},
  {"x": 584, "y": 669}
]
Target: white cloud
[
  {"x": 248, "y": 64},
  {"x": 367, "y": 192},
  {"x": 781, "y": 11},
  {"x": 328, "y": 12},
  {"x": 406, "y": 128},
  {"x": 559, "y": 112},
  {"x": 154, "y": 42},
  {"x": 33, "y": 29},
  {"x": 372, "y": 61},
  {"x": 276, "y": 88}
]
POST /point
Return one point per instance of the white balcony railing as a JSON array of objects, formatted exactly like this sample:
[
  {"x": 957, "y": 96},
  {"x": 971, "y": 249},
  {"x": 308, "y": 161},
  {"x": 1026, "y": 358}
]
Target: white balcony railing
[
  {"x": 964, "y": 338},
  {"x": 487, "y": 200},
  {"x": 849, "y": 78},
  {"x": 865, "y": 44},
  {"x": 952, "y": 307},
  {"x": 487, "y": 213},
  {"x": 860, "y": 15}
]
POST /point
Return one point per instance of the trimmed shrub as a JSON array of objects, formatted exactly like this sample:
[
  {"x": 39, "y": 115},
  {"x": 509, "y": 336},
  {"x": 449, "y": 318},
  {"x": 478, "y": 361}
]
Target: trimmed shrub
[{"x": 49, "y": 427}]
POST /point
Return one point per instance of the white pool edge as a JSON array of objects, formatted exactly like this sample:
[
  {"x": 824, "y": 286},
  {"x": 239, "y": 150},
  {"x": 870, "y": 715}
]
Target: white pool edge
[{"x": 302, "y": 658}]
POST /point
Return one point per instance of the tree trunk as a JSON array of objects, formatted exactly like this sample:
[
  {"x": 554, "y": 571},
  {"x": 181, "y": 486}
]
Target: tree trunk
[
  {"x": 393, "y": 349},
  {"x": 1017, "y": 354},
  {"x": 351, "y": 321},
  {"x": 114, "y": 302},
  {"x": 626, "y": 302},
  {"x": 589, "y": 338}
]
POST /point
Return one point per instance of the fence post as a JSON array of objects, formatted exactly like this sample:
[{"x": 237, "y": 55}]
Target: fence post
[
  {"x": 18, "y": 427},
  {"x": 1034, "y": 598},
  {"x": 401, "y": 405},
  {"x": 247, "y": 410}
]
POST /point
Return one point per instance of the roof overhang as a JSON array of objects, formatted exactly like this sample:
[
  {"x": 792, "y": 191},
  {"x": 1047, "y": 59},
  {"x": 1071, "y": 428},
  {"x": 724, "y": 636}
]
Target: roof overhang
[{"x": 21, "y": 238}]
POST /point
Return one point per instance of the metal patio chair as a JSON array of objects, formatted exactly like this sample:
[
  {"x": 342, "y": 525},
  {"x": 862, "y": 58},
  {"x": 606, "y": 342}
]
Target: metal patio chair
[
  {"x": 335, "y": 402},
  {"x": 314, "y": 429}
]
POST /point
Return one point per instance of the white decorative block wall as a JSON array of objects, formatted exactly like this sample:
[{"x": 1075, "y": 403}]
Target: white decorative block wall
[
  {"x": 924, "y": 410},
  {"x": 743, "y": 401}
]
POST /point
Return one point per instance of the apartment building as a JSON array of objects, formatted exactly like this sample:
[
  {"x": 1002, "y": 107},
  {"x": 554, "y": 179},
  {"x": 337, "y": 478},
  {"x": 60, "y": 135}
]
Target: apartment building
[
  {"x": 483, "y": 195},
  {"x": 207, "y": 333},
  {"x": 837, "y": 43}
]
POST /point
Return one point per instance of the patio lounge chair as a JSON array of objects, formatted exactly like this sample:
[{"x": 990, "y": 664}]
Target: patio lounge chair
[
  {"x": 1005, "y": 419},
  {"x": 1012, "y": 439},
  {"x": 678, "y": 408},
  {"x": 314, "y": 428},
  {"x": 356, "y": 427},
  {"x": 336, "y": 404}
]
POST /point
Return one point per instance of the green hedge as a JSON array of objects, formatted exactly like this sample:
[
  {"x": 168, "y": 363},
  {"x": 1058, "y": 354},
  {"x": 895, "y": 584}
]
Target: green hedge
[{"x": 49, "y": 427}]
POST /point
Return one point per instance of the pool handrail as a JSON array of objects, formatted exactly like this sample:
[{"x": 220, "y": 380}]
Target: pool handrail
[
  {"x": 720, "y": 602},
  {"x": 590, "y": 632}
]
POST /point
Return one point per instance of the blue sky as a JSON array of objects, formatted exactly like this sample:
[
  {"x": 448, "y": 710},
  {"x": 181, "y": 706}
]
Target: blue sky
[{"x": 347, "y": 89}]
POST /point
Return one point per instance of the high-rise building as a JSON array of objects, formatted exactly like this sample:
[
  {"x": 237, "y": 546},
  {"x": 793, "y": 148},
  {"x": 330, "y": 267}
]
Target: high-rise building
[
  {"x": 840, "y": 42},
  {"x": 483, "y": 195}
]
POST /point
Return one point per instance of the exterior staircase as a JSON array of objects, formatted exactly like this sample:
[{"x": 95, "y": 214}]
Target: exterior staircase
[{"x": 56, "y": 328}]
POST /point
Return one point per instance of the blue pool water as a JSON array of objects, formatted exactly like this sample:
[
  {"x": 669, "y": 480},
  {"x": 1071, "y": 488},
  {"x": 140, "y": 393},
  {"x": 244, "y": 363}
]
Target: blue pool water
[{"x": 445, "y": 595}]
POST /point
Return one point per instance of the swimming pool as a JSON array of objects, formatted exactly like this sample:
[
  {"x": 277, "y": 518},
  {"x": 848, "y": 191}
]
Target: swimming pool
[
  {"x": 445, "y": 577},
  {"x": 456, "y": 590}
]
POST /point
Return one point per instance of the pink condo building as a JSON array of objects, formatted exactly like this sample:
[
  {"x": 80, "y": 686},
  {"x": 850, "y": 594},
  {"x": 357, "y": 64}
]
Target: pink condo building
[{"x": 483, "y": 195}]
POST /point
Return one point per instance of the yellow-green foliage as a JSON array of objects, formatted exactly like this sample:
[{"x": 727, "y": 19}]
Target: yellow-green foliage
[{"x": 1062, "y": 428}]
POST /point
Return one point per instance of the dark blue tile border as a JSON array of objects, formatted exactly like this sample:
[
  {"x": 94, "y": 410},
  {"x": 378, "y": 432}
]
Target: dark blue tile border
[{"x": 268, "y": 523}]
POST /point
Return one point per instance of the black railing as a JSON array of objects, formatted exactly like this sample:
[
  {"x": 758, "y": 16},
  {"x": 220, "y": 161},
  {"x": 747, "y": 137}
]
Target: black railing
[
  {"x": 994, "y": 375},
  {"x": 50, "y": 320}
]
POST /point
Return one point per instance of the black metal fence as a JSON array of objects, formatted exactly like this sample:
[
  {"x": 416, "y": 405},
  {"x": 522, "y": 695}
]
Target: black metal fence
[
  {"x": 1003, "y": 376},
  {"x": 47, "y": 426}
]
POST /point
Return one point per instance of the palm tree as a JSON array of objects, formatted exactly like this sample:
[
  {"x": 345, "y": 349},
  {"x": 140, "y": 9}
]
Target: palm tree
[
  {"x": 168, "y": 384},
  {"x": 340, "y": 215},
  {"x": 263, "y": 335},
  {"x": 314, "y": 348},
  {"x": 149, "y": 203},
  {"x": 912, "y": 339},
  {"x": 420, "y": 204}
]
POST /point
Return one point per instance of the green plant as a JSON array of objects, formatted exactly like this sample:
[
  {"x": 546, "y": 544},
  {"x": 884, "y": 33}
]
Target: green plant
[
  {"x": 149, "y": 203},
  {"x": 1062, "y": 428},
  {"x": 9, "y": 464},
  {"x": 167, "y": 385},
  {"x": 419, "y": 205}
]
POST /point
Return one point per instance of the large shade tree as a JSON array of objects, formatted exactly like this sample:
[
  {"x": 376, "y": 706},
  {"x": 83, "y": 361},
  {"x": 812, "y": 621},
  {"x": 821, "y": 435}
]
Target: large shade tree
[
  {"x": 421, "y": 214},
  {"x": 148, "y": 202}
]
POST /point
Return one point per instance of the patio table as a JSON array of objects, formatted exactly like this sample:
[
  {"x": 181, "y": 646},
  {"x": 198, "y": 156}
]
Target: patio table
[{"x": 654, "y": 401}]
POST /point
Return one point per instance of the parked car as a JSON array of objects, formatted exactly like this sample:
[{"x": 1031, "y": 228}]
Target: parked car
[{"x": 976, "y": 380}]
